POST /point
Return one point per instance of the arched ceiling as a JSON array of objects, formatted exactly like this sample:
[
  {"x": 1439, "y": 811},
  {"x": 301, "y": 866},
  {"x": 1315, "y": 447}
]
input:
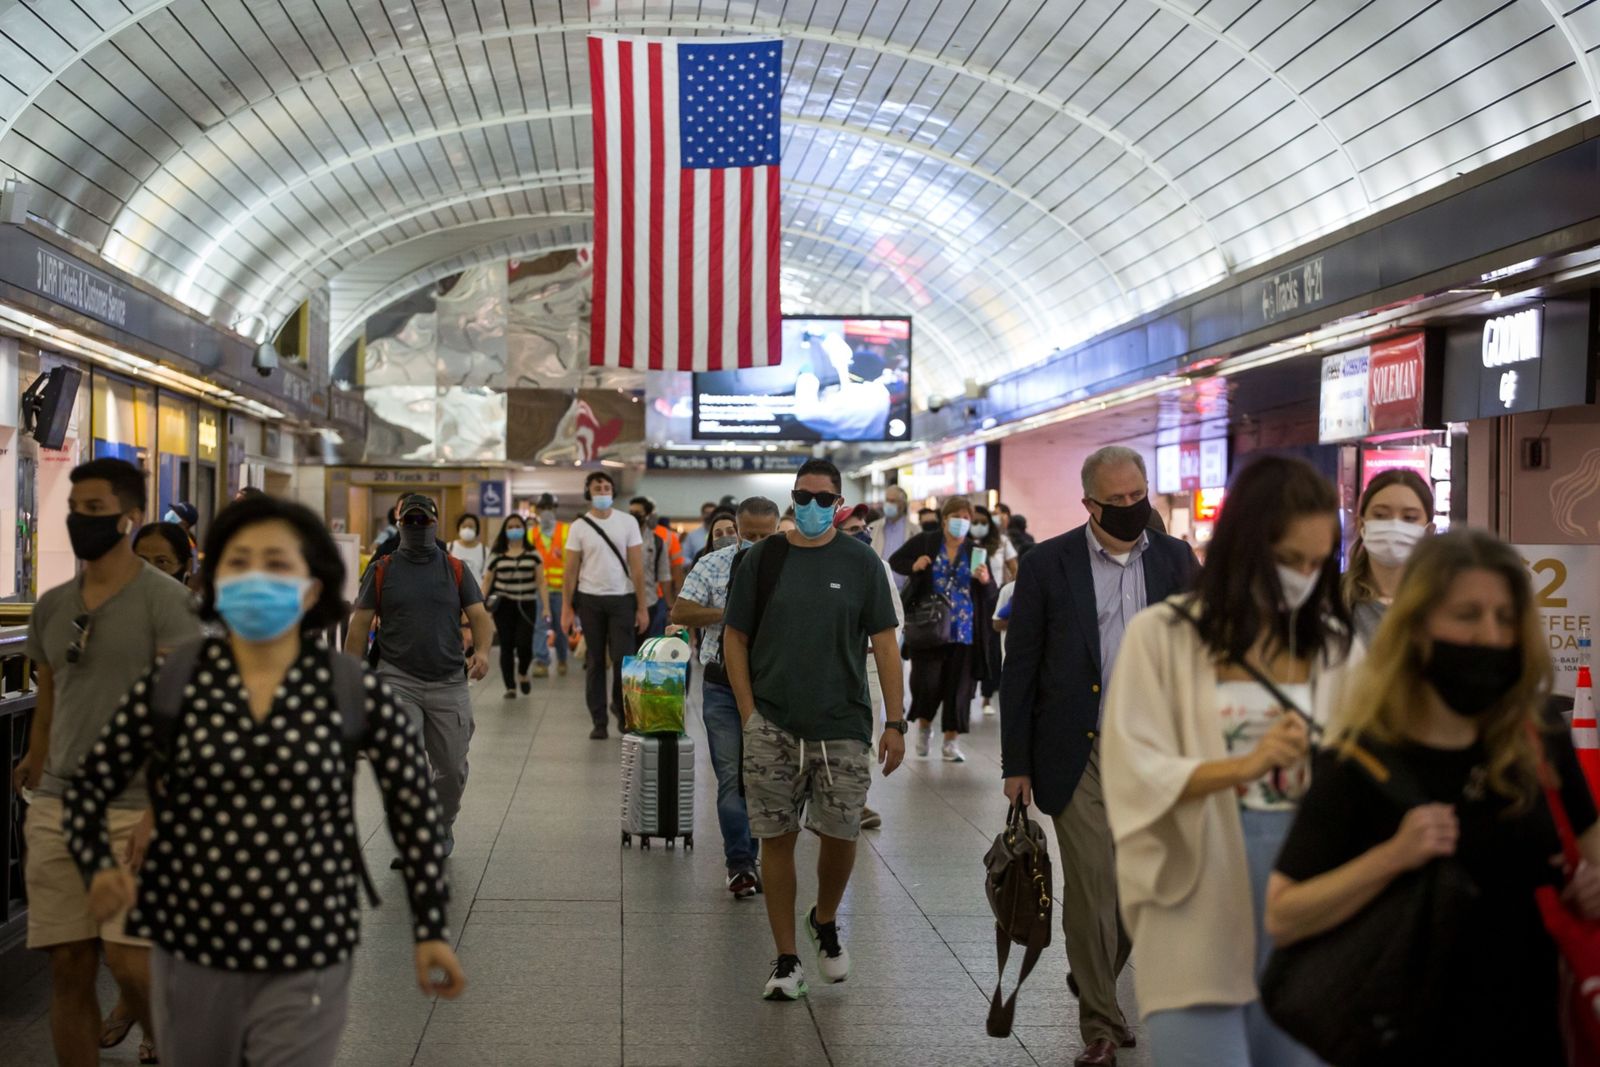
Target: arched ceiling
[{"x": 1016, "y": 175}]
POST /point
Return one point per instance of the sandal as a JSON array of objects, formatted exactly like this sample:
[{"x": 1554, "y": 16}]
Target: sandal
[
  {"x": 114, "y": 1031},
  {"x": 147, "y": 1052}
]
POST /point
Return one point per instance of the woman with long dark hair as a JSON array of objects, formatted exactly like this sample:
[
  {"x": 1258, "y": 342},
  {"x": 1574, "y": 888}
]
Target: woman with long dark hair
[
  {"x": 250, "y": 885},
  {"x": 1396, "y": 512},
  {"x": 940, "y": 563},
  {"x": 1452, "y": 693},
  {"x": 514, "y": 576},
  {"x": 1208, "y": 723}
]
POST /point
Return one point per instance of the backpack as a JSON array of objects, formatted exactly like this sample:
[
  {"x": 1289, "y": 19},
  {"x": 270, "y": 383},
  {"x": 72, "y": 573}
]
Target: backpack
[
  {"x": 767, "y": 574},
  {"x": 350, "y": 698},
  {"x": 380, "y": 567}
]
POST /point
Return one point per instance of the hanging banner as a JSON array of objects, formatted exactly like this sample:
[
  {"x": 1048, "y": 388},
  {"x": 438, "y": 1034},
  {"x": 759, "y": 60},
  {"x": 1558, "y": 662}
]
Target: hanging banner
[{"x": 1566, "y": 592}]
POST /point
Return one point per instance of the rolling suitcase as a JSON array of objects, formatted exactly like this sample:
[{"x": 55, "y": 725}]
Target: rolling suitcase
[{"x": 657, "y": 788}]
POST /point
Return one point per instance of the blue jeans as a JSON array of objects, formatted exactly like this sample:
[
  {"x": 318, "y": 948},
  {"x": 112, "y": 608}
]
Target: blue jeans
[
  {"x": 541, "y": 630},
  {"x": 658, "y": 619},
  {"x": 1240, "y": 1035},
  {"x": 725, "y": 739}
]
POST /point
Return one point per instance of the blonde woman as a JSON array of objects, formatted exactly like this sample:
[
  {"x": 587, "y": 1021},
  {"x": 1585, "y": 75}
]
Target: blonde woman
[
  {"x": 1204, "y": 759},
  {"x": 1457, "y": 675},
  {"x": 1396, "y": 512}
]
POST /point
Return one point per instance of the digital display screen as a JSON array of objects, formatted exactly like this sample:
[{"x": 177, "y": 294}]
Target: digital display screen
[{"x": 841, "y": 379}]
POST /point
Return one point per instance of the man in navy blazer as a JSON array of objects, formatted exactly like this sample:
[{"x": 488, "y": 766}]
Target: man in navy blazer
[{"x": 1075, "y": 595}]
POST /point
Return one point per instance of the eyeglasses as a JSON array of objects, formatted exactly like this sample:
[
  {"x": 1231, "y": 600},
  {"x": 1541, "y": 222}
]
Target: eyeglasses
[
  {"x": 805, "y": 496},
  {"x": 84, "y": 624}
]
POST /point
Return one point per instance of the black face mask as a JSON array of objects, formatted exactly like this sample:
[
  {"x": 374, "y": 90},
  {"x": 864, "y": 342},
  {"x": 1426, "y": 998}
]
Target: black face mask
[
  {"x": 1471, "y": 679},
  {"x": 92, "y": 536},
  {"x": 930, "y": 527},
  {"x": 1125, "y": 522},
  {"x": 417, "y": 542}
]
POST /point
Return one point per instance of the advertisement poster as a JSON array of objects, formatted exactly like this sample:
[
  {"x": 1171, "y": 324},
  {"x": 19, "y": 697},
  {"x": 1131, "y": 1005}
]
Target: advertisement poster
[
  {"x": 1566, "y": 591},
  {"x": 557, "y": 426}
]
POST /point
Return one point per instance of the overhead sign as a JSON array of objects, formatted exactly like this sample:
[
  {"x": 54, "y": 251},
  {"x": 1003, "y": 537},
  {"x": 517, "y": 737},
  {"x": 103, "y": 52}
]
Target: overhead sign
[
  {"x": 492, "y": 498},
  {"x": 1532, "y": 359},
  {"x": 730, "y": 462},
  {"x": 1566, "y": 591}
]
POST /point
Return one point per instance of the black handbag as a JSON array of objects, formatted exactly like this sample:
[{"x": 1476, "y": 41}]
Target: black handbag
[
  {"x": 1387, "y": 962},
  {"x": 1018, "y": 883},
  {"x": 927, "y": 623}
]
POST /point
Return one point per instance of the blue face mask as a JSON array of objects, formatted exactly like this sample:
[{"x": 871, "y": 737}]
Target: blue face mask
[
  {"x": 891, "y": 511},
  {"x": 171, "y": 516},
  {"x": 260, "y": 607},
  {"x": 864, "y": 536},
  {"x": 957, "y": 527},
  {"x": 602, "y": 501},
  {"x": 813, "y": 519}
]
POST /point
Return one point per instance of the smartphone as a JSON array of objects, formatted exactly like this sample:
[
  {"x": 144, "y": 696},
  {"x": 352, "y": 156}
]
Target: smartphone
[{"x": 980, "y": 557}]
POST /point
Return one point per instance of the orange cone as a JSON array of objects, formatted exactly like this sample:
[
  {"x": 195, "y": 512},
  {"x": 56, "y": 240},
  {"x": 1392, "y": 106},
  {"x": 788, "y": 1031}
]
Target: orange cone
[{"x": 1585, "y": 730}]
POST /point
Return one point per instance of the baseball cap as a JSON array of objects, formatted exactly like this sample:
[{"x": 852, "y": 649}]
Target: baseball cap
[
  {"x": 546, "y": 501},
  {"x": 843, "y": 515},
  {"x": 186, "y": 511},
  {"x": 415, "y": 502}
]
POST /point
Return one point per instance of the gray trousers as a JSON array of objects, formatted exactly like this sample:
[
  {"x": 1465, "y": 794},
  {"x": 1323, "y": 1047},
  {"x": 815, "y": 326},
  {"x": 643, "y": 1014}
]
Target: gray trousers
[
  {"x": 1097, "y": 944},
  {"x": 209, "y": 1017},
  {"x": 442, "y": 713}
]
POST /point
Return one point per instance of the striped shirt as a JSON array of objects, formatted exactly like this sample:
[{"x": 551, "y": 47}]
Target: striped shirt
[{"x": 515, "y": 577}]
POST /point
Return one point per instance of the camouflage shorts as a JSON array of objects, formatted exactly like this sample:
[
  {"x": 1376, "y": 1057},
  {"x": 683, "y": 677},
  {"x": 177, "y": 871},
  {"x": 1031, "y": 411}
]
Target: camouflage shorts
[{"x": 829, "y": 783}]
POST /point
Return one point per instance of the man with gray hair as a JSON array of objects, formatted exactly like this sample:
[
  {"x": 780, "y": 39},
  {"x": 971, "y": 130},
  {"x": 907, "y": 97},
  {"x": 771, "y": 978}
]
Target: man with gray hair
[
  {"x": 700, "y": 604},
  {"x": 1075, "y": 595}
]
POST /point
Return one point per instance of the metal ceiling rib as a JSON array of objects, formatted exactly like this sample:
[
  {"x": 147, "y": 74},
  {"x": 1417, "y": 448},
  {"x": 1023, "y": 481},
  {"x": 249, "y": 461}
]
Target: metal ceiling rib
[{"x": 1017, "y": 174}]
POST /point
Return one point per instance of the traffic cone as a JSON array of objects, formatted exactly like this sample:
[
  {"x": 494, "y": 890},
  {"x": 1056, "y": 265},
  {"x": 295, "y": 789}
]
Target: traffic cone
[{"x": 1585, "y": 730}]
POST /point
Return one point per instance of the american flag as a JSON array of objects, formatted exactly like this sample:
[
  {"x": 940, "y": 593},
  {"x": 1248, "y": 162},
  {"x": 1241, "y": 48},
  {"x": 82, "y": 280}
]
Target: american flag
[{"x": 686, "y": 202}]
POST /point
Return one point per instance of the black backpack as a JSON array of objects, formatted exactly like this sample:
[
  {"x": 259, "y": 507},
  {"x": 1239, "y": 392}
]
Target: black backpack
[
  {"x": 767, "y": 575},
  {"x": 350, "y": 697}
]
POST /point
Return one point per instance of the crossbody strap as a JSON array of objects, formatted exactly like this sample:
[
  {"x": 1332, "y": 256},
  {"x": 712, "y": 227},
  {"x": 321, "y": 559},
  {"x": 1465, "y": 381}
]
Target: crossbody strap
[
  {"x": 1313, "y": 727},
  {"x": 1571, "y": 856},
  {"x": 597, "y": 528}
]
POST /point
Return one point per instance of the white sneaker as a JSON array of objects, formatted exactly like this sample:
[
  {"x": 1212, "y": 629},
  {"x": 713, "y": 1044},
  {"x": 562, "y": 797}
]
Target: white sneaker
[
  {"x": 953, "y": 753},
  {"x": 788, "y": 981},
  {"x": 924, "y": 733},
  {"x": 988, "y": 708},
  {"x": 832, "y": 960}
]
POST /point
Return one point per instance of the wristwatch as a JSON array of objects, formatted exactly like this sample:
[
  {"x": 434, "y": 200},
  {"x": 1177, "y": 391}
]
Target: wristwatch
[{"x": 897, "y": 725}]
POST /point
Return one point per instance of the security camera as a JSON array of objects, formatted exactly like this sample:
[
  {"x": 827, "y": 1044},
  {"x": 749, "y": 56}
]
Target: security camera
[
  {"x": 935, "y": 404},
  {"x": 266, "y": 359}
]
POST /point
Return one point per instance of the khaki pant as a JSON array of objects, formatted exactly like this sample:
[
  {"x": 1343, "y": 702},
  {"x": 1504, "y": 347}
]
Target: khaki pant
[
  {"x": 1097, "y": 944},
  {"x": 58, "y": 901}
]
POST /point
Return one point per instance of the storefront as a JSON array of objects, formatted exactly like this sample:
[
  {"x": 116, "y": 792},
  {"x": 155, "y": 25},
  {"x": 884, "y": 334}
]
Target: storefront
[{"x": 358, "y": 499}]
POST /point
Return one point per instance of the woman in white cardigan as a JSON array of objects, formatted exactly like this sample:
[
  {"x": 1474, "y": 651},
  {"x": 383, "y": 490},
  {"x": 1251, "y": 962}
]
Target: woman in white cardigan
[{"x": 1204, "y": 763}]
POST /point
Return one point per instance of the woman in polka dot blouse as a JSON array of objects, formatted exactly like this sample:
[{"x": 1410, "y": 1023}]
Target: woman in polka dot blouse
[{"x": 250, "y": 888}]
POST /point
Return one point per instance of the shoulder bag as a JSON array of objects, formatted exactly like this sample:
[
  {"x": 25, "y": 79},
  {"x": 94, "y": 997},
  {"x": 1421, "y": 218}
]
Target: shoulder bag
[
  {"x": 1388, "y": 962},
  {"x": 928, "y": 614},
  {"x": 1577, "y": 939},
  {"x": 1020, "y": 890}
]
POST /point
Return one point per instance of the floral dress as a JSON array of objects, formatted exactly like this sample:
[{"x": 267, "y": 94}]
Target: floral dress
[{"x": 953, "y": 581}]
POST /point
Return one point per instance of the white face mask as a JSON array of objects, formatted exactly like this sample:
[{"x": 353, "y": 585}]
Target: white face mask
[
  {"x": 1297, "y": 588},
  {"x": 1390, "y": 541},
  {"x": 468, "y": 534}
]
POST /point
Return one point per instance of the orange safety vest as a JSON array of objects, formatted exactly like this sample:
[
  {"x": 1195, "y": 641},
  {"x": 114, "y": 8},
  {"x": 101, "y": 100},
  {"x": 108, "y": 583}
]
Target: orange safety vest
[{"x": 554, "y": 555}]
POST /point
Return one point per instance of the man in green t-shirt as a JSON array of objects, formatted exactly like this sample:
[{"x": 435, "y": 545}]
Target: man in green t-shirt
[{"x": 796, "y": 625}]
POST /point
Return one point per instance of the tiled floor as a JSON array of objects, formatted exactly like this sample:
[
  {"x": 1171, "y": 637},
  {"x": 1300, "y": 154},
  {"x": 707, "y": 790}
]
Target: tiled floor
[{"x": 578, "y": 951}]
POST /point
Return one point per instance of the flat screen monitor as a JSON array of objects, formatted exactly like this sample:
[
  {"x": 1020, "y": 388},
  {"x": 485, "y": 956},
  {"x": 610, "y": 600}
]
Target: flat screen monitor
[{"x": 841, "y": 379}]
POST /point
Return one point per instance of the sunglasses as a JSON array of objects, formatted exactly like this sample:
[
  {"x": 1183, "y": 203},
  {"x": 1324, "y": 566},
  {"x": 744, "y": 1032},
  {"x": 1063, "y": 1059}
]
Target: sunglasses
[
  {"x": 416, "y": 518},
  {"x": 84, "y": 624},
  {"x": 805, "y": 496}
]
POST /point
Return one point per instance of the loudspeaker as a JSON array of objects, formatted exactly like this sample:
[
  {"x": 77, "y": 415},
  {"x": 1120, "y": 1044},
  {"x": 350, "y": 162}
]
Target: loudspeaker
[{"x": 47, "y": 405}]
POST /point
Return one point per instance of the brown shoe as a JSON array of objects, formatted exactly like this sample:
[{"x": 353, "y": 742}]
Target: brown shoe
[
  {"x": 1102, "y": 1052},
  {"x": 541, "y": 671},
  {"x": 561, "y": 668}
]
